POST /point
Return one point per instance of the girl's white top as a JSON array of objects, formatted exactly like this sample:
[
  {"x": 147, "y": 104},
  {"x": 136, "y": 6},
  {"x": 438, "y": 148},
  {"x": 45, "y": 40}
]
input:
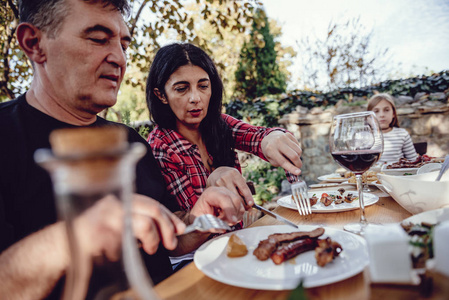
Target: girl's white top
[{"x": 398, "y": 144}]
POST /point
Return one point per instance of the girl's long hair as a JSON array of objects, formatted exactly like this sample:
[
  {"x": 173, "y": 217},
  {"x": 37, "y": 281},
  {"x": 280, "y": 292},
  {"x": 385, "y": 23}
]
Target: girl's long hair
[{"x": 214, "y": 130}]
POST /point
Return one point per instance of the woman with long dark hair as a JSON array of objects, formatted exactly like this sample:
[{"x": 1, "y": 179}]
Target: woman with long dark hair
[
  {"x": 193, "y": 142},
  {"x": 184, "y": 95}
]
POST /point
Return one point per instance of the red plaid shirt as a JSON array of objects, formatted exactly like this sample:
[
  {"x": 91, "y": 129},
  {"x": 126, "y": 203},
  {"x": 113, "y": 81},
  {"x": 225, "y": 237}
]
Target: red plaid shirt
[{"x": 180, "y": 161}]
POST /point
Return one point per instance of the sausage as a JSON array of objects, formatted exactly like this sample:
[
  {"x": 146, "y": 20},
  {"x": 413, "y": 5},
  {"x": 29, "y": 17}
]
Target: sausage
[
  {"x": 290, "y": 250},
  {"x": 268, "y": 246}
]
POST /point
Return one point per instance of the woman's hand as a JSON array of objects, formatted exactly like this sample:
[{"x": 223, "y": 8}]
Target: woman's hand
[
  {"x": 283, "y": 150},
  {"x": 231, "y": 179}
]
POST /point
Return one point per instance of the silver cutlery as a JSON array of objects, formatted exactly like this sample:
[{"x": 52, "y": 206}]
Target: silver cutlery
[
  {"x": 301, "y": 197},
  {"x": 207, "y": 223},
  {"x": 274, "y": 215}
]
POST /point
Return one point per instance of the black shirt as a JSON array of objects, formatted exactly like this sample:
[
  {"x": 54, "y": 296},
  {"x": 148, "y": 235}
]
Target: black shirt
[{"x": 27, "y": 202}]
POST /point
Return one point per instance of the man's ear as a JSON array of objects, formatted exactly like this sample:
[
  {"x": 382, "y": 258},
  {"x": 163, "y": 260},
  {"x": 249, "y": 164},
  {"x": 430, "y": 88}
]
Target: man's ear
[
  {"x": 29, "y": 37},
  {"x": 160, "y": 96}
]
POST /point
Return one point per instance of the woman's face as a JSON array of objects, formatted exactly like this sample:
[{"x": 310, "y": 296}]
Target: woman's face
[
  {"x": 188, "y": 92},
  {"x": 384, "y": 113}
]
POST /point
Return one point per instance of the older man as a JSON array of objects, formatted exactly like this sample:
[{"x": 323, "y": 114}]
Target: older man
[{"x": 77, "y": 48}]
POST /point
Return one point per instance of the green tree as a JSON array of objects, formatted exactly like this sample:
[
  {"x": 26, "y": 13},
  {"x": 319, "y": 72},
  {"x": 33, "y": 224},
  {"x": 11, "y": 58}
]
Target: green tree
[
  {"x": 258, "y": 71},
  {"x": 15, "y": 69},
  {"x": 161, "y": 16},
  {"x": 225, "y": 52}
]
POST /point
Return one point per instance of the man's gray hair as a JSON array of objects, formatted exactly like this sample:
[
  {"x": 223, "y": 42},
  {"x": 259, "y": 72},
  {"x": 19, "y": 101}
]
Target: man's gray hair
[{"x": 48, "y": 15}]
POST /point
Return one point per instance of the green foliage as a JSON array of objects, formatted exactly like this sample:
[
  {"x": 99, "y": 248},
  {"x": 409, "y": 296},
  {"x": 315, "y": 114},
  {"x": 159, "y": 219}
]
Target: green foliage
[
  {"x": 258, "y": 72},
  {"x": 298, "y": 293},
  {"x": 144, "y": 131},
  {"x": 15, "y": 68},
  {"x": 266, "y": 112},
  {"x": 161, "y": 17},
  {"x": 266, "y": 178}
]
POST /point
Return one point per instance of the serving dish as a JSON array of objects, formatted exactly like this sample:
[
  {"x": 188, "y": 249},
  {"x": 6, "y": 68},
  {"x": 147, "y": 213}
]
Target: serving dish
[{"x": 418, "y": 193}]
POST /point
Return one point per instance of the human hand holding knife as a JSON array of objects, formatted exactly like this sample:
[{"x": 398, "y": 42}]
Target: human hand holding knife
[{"x": 266, "y": 211}]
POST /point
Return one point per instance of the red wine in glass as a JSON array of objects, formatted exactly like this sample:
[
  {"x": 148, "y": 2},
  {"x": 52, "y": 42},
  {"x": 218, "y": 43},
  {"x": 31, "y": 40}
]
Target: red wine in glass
[{"x": 357, "y": 162}]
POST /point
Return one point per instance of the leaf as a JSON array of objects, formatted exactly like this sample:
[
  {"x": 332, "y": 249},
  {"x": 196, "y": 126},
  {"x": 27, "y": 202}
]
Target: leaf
[{"x": 298, "y": 293}]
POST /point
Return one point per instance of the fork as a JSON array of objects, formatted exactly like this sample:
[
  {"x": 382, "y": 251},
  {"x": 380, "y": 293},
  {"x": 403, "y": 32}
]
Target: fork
[
  {"x": 205, "y": 223},
  {"x": 300, "y": 197}
]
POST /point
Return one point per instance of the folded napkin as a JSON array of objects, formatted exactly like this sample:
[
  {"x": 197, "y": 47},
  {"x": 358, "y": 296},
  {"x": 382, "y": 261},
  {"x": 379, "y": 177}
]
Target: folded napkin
[
  {"x": 390, "y": 260},
  {"x": 441, "y": 248}
]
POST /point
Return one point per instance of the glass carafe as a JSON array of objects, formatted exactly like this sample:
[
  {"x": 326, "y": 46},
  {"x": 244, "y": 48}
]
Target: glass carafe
[{"x": 93, "y": 172}]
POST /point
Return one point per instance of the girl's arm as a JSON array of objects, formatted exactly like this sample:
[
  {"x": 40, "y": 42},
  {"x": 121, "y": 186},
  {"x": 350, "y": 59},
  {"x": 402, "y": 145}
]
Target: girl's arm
[{"x": 408, "y": 148}]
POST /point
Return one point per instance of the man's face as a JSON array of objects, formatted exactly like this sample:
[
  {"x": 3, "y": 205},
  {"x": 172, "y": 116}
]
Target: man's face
[{"x": 86, "y": 61}]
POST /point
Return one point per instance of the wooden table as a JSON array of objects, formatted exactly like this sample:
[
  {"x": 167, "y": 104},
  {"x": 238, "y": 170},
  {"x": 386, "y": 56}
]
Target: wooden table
[{"x": 191, "y": 283}]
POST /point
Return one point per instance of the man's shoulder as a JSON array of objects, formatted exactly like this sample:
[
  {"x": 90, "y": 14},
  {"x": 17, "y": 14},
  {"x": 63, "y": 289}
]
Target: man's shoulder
[
  {"x": 8, "y": 107},
  {"x": 8, "y": 104},
  {"x": 10, "y": 112}
]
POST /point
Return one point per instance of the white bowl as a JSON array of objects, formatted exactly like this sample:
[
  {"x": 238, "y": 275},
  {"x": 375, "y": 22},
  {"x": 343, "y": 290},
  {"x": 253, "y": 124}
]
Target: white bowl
[{"x": 418, "y": 193}]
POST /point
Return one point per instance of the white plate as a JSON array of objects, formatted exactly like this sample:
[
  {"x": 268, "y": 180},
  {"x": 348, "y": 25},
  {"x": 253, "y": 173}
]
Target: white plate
[
  {"x": 430, "y": 167},
  {"x": 332, "y": 178},
  {"x": 431, "y": 216},
  {"x": 398, "y": 172},
  {"x": 319, "y": 207},
  {"x": 378, "y": 185},
  {"x": 249, "y": 272}
]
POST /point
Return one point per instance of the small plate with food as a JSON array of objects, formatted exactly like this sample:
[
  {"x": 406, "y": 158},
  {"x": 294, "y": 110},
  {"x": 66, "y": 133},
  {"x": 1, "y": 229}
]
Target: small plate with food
[
  {"x": 278, "y": 258},
  {"x": 331, "y": 201},
  {"x": 334, "y": 177},
  {"x": 405, "y": 167}
]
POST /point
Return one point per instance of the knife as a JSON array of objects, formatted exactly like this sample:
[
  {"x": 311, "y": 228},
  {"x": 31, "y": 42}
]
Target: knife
[
  {"x": 268, "y": 212},
  {"x": 319, "y": 185},
  {"x": 276, "y": 216}
]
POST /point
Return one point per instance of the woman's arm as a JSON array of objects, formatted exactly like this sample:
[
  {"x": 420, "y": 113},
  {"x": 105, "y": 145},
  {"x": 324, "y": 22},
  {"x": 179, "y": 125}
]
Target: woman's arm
[
  {"x": 247, "y": 137},
  {"x": 275, "y": 145}
]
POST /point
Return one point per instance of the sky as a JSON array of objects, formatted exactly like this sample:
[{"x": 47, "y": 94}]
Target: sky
[{"x": 416, "y": 32}]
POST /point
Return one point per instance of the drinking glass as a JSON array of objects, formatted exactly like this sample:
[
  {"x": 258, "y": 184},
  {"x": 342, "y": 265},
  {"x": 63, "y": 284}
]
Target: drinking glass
[{"x": 356, "y": 143}]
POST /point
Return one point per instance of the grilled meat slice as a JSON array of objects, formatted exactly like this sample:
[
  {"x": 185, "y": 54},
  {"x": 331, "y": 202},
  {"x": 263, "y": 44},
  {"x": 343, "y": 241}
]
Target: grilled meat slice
[
  {"x": 290, "y": 250},
  {"x": 326, "y": 251},
  {"x": 268, "y": 246}
]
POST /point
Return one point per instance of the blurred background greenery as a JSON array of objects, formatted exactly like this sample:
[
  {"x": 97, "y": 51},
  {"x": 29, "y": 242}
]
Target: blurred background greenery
[{"x": 255, "y": 67}]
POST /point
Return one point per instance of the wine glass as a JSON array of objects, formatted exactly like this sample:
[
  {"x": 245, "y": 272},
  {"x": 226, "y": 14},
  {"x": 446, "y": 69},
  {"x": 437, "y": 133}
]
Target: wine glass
[{"x": 356, "y": 143}]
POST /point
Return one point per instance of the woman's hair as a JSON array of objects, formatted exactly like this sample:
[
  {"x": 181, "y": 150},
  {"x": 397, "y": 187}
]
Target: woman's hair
[
  {"x": 214, "y": 130},
  {"x": 374, "y": 100}
]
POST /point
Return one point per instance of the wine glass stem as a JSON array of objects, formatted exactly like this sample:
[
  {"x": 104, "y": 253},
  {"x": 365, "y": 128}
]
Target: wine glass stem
[{"x": 361, "y": 201}]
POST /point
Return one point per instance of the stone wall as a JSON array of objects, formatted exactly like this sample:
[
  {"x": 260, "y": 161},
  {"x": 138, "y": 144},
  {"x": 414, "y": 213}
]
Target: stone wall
[{"x": 426, "y": 119}]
